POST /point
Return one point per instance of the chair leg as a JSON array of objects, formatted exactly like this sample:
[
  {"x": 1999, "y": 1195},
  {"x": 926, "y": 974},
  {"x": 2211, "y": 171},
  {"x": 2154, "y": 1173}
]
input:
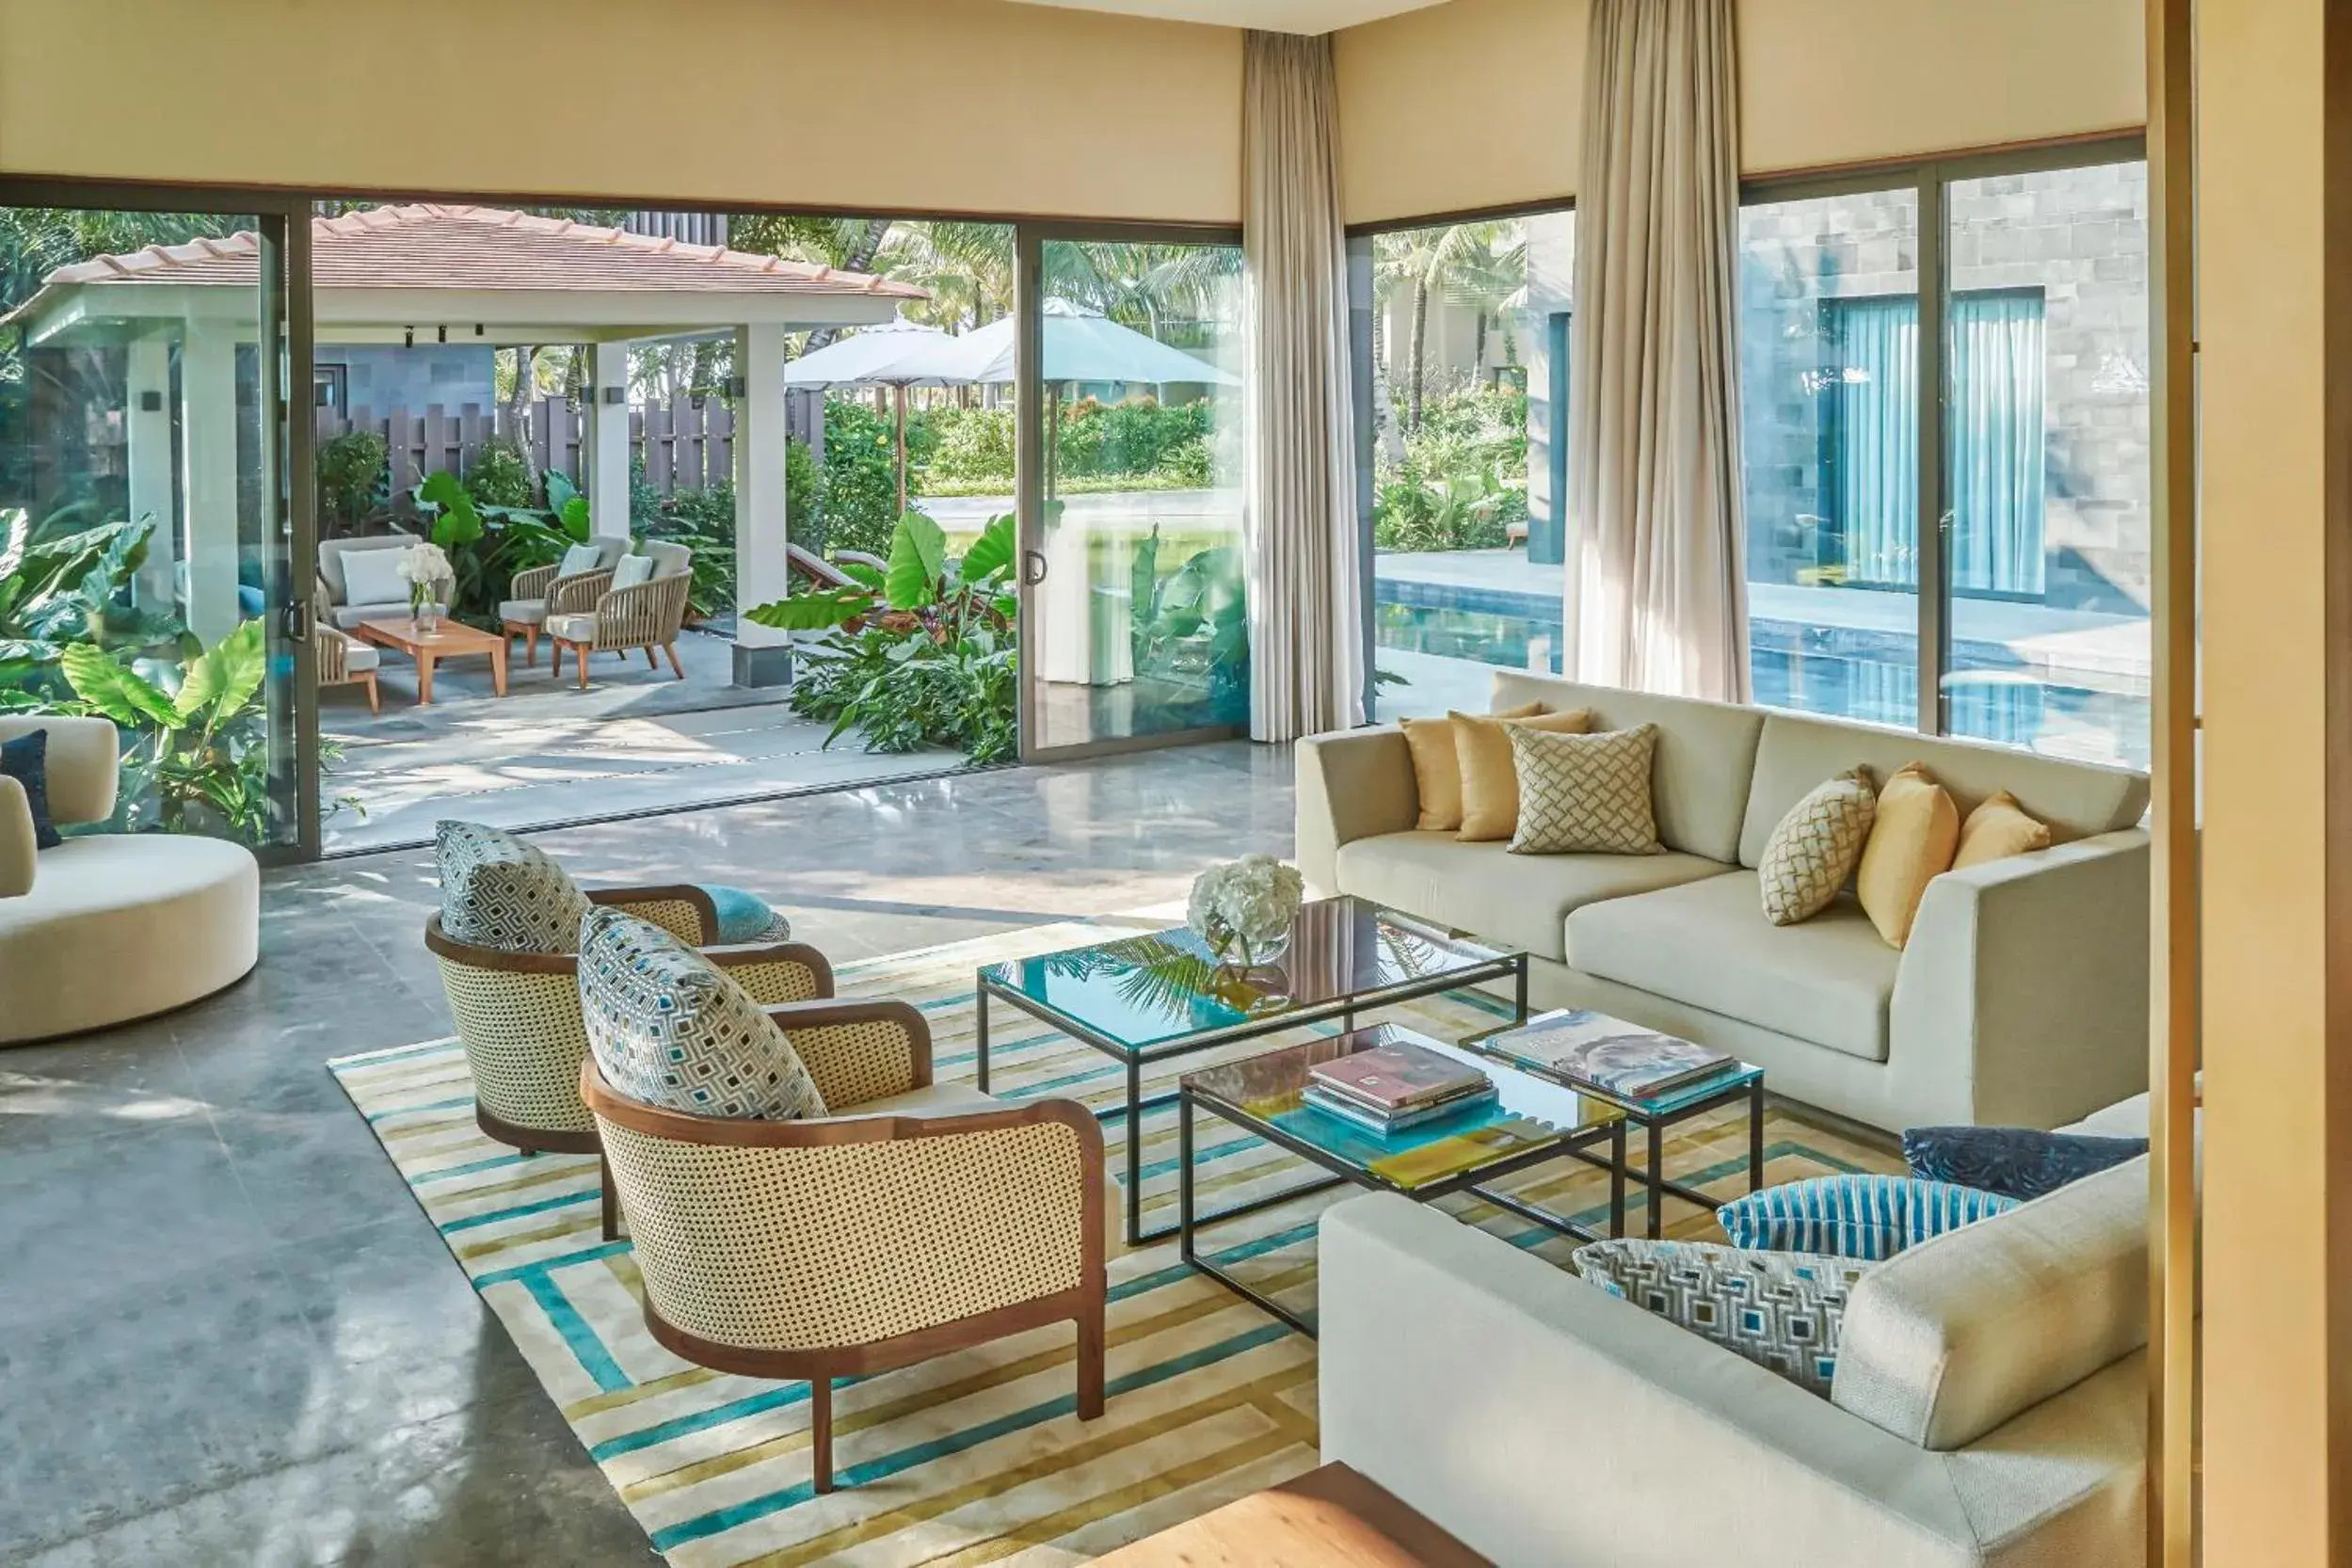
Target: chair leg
[
  {"x": 531, "y": 647},
  {"x": 650, "y": 662},
  {"x": 580, "y": 657},
  {"x": 670, "y": 649},
  {"x": 821, "y": 1430},
  {"x": 611, "y": 1199},
  {"x": 1090, "y": 1351},
  {"x": 374, "y": 698}
]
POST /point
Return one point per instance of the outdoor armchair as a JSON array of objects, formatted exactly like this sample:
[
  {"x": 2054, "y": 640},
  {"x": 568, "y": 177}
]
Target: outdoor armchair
[
  {"x": 544, "y": 591},
  {"x": 517, "y": 1015},
  {"x": 345, "y": 661},
  {"x": 914, "y": 1220},
  {"x": 647, "y": 615},
  {"x": 338, "y": 607}
]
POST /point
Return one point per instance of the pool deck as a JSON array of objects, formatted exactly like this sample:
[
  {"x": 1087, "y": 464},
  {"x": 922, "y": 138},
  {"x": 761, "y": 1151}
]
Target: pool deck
[{"x": 2080, "y": 644}]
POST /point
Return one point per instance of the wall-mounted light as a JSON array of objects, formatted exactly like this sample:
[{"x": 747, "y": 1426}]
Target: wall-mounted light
[
  {"x": 408, "y": 337},
  {"x": 477, "y": 329},
  {"x": 738, "y": 386},
  {"x": 151, "y": 402},
  {"x": 612, "y": 394},
  {"x": 441, "y": 334}
]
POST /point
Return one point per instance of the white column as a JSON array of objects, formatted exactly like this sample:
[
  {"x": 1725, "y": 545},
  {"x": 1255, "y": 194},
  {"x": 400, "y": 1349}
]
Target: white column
[
  {"x": 147, "y": 420},
  {"x": 762, "y": 571},
  {"x": 606, "y": 464},
  {"x": 208, "y": 437}
]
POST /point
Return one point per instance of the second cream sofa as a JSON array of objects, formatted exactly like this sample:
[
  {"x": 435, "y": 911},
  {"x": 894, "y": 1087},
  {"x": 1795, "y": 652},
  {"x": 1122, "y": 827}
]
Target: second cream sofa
[{"x": 2020, "y": 999}]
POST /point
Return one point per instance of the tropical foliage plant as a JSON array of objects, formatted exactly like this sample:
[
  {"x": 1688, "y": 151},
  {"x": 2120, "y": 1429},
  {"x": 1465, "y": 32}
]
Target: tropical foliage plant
[
  {"x": 200, "y": 754},
  {"x": 63, "y": 583},
  {"x": 923, "y": 653},
  {"x": 1460, "y": 482},
  {"x": 489, "y": 544}
]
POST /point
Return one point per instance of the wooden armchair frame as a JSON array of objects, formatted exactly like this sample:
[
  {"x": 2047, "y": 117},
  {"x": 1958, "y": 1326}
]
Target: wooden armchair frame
[
  {"x": 334, "y": 653},
  {"x": 564, "y": 596},
  {"x": 647, "y": 615},
  {"x": 806, "y": 1194},
  {"x": 518, "y": 1016}
]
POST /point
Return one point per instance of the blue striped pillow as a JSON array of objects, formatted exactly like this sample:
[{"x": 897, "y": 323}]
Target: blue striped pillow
[{"x": 1868, "y": 1217}]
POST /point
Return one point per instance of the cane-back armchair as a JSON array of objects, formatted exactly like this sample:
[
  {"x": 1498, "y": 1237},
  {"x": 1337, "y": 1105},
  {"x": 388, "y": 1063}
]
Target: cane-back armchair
[
  {"x": 907, "y": 1219},
  {"x": 511, "y": 974},
  {"x": 565, "y": 587},
  {"x": 647, "y": 615}
]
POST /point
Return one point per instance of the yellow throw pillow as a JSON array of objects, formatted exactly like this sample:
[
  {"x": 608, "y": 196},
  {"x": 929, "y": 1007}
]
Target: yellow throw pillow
[
  {"x": 1815, "y": 848},
  {"x": 1436, "y": 769},
  {"x": 1997, "y": 829},
  {"x": 1490, "y": 779},
  {"x": 1917, "y": 832}
]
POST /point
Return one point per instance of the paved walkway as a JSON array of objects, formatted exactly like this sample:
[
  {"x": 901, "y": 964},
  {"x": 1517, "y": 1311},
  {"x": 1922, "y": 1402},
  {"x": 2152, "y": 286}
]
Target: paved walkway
[{"x": 637, "y": 740}]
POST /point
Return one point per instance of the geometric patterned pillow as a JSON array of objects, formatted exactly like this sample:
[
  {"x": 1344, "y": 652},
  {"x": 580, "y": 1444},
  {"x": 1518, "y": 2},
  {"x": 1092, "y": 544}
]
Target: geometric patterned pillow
[
  {"x": 1584, "y": 794},
  {"x": 1865, "y": 1217},
  {"x": 2015, "y": 1161},
  {"x": 671, "y": 1029},
  {"x": 1814, "y": 851},
  {"x": 498, "y": 891},
  {"x": 1780, "y": 1310}
]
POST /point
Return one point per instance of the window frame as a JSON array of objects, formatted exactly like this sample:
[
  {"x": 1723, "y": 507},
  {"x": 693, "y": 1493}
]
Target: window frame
[{"x": 1929, "y": 179}]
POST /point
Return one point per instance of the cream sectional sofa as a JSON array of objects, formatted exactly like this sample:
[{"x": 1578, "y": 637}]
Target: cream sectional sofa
[
  {"x": 108, "y": 927},
  {"x": 2021, "y": 1000},
  {"x": 1989, "y": 1409}
]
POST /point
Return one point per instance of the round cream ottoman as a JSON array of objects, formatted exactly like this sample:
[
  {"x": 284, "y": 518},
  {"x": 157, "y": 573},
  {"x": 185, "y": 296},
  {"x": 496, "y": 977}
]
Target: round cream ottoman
[{"x": 123, "y": 925}]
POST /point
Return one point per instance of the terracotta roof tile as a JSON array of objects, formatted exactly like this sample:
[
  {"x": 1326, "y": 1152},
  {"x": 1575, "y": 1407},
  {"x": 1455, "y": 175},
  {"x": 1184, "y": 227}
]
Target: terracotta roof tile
[{"x": 429, "y": 245}]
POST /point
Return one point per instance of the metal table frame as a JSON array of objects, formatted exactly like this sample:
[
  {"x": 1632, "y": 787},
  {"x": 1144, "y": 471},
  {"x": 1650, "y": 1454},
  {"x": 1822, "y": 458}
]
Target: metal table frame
[
  {"x": 1135, "y": 1103},
  {"x": 1576, "y": 1145}
]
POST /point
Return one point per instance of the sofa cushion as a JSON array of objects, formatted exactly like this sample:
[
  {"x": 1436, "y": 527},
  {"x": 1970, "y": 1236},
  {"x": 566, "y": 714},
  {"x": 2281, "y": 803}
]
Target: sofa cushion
[
  {"x": 499, "y": 891},
  {"x": 1584, "y": 794},
  {"x": 1996, "y": 830},
  {"x": 80, "y": 763},
  {"x": 348, "y": 617},
  {"x": 2014, "y": 1161},
  {"x": 372, "y": 577},
  {"x": 1780, "y": 1310},
  {"x": 1707, "y": 944},
  {"x": 522, "y": 612},
  {"x": 669, "y": 1028},
  {"x": 1911, "y": 842},
  {"x": 1437, "y": 766},
  {"x": 1812, "y": 853},
  {"x": 25, "y": 759},
  {"x": 1707, "y": 753},
  {"x": 1490, "y": 772},
  {"x": 1862, "y": 1216},
  {"x": 1795, "y": 753},
  {"x": 1519, "y": 900},
  {"x": 1954, "y": 1336},
  {"x": 744, "y": 917}
]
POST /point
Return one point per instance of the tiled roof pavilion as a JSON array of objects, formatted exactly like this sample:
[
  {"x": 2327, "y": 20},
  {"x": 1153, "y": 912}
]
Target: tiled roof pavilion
[{"x": 387, "y": 270}]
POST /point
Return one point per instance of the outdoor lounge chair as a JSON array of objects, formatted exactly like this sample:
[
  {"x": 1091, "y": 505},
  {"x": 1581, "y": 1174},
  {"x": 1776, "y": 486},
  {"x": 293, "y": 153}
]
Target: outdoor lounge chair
[
  {"x": 912, "y": 1220},
  {"x": 337, "y": 607},
  {"x": 647, "y": 615},
  {"x": 345, "y": 661},
  {"x": 545, "y": 591}
]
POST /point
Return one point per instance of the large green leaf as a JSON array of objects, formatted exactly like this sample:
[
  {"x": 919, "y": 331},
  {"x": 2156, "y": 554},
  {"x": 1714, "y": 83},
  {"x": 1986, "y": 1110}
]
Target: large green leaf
[
  {"x": 990, "y": 554},
  {"x": 561, "y": 491},
  {"x": 220, "y": 683},
  {"x": 812, "y": 612},
  {"x": 574, "y": 515},
  {"x": 116, "y": 692},
  {"x": 918, "y": 552},
  {"x": 459, "y": 523}
]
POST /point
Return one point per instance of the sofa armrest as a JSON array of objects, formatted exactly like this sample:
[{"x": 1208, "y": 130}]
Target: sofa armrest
[
  {"x": 2022, "y": 998},
  {"x": 17, "y": 845},
  {"x": 1351, "y": 785},
  {"x": 1547, "y": 1422}
]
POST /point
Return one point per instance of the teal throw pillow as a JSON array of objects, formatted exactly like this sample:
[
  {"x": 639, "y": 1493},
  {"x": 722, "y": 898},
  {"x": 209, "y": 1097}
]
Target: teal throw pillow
[
  {"x": 1867, "y": 1217},
  {"x": 745, "y": 916}
]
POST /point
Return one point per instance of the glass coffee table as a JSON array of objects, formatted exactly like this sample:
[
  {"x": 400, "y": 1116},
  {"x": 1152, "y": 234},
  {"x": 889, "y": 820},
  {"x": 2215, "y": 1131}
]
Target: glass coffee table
[
  {"x": 1147, "y": 999},
  {"x": 1530, "y": 1122}
]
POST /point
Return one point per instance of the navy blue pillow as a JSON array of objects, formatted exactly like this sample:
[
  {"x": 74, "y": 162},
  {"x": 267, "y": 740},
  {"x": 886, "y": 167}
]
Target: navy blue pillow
[
  {"x": 2013, "y": 1161},
  {"x": 26, "y": 761}
]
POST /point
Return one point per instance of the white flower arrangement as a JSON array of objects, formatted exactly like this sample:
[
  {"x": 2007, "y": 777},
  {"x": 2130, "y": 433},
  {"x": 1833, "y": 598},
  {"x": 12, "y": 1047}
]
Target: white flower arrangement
[
  {"x": 1244, "y": 907},
  {"x": 425, "y": 568}
]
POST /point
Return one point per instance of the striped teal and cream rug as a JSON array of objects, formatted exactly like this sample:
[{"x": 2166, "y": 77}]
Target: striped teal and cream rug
[{"x": 977, "y": 1456}]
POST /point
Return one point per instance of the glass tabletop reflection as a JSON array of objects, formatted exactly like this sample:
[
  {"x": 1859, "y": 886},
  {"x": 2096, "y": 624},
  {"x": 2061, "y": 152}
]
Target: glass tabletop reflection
[{"x": 1138, "y": 992}]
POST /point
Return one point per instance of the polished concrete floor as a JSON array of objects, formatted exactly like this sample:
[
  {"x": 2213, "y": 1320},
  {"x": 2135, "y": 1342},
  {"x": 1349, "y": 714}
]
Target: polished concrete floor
[{"x": 227, "y": 1336}]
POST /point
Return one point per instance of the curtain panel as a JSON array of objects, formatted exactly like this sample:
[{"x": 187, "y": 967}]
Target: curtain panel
[
  {"x": 1656, "y": 594},
  {"x": 1305, "y": 589}
]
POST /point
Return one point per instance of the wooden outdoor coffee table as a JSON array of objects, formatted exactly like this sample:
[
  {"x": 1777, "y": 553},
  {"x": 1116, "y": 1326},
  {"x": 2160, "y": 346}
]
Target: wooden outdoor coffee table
[{"x": 449, "y": 639}]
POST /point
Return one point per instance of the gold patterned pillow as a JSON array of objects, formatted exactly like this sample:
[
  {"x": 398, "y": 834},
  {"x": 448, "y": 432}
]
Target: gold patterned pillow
[
  {"x": 1812, "y": 853},
  {"x": 1584, "y": 794}
]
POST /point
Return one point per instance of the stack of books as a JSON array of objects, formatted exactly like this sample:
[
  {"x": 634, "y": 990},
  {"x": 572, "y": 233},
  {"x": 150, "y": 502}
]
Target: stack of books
[
  {"x": 1390, "y": 1088},
  {"x": 1595, "y": 1052}
]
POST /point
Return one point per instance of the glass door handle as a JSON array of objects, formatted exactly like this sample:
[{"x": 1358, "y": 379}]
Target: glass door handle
[
  {"x": 1033, "y": 567},
  {"x": 296, "y": 619}
]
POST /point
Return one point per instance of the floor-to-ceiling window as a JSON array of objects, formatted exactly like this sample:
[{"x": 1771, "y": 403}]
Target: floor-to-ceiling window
[
  {"x": 2033, "y": 630},
  {"x": 1463, "y": 332}
]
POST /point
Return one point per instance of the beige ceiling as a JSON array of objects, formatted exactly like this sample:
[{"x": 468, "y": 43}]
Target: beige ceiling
[{"x": 1277, "y": 16}]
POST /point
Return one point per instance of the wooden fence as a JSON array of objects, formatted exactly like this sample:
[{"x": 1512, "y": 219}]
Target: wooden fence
[{"x": 682, "y": 445}]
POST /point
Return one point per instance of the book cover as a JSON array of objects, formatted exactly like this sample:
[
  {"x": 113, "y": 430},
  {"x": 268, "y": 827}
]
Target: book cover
[
  {"x": 1397, "y": 1077},
  {"x": 1594, "y": 1050},
  {"x": 1373, "y": 1121}
]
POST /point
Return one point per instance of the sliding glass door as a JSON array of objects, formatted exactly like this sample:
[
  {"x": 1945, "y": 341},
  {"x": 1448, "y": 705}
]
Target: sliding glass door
[
  {"x": 1133, "y": 609},
  {"x": 1992, "y": 315},
  {"x": 150, "y": 571}
]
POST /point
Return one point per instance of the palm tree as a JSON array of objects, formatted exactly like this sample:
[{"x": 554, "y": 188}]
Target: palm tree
[
  {"x": 845, "y": 244},
  {"x": 1483, "y": 266}
]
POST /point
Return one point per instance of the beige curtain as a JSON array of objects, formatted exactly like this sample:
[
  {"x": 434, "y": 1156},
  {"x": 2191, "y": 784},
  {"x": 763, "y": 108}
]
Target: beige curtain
[
  {"x": 1306, "y": 652},
  {"x": 1656, "y": 591}
]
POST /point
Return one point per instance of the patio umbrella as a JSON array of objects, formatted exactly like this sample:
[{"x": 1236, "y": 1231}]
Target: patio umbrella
[{"x": 896, "y": 354}]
